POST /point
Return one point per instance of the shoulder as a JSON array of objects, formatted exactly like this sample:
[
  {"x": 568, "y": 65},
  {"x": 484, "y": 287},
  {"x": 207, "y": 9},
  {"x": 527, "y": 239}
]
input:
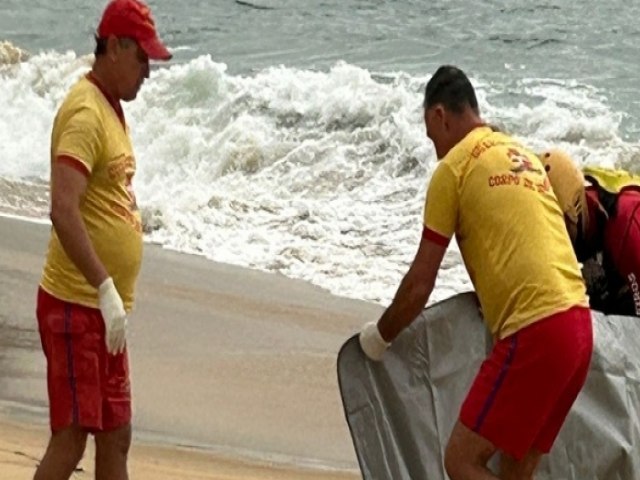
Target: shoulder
[
  {"x": 474, "y": 144},
  {"x": 83, "y": 96},
  {"x": 444, "y": 182}
]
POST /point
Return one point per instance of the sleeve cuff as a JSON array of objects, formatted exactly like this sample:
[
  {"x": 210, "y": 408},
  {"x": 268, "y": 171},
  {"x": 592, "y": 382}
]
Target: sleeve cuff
[
  {"x": 435, "y": 237},
  {"x": 74, "y": 163}
]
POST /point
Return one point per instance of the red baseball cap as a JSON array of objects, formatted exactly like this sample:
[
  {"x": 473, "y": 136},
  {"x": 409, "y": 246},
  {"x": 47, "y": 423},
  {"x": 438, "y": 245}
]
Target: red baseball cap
[{"x": 132, "y": 19}]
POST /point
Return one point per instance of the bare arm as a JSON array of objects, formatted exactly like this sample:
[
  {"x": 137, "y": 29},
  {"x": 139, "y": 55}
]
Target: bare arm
[
  {"x": 414, "y": 290},
  {"x": 68, "y": 185}
]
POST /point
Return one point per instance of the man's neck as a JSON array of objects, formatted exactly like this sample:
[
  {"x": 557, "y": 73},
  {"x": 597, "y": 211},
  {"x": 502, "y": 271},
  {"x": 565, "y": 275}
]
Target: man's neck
[
  {"x": 469, "y": 123},
  {"x": 103, "y": 76},
  {"x": 103, "y": 85}
]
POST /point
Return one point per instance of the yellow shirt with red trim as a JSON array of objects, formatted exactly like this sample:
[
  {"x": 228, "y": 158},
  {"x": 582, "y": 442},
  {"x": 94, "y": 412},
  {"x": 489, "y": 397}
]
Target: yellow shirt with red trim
[
  {"x": 89, "y": 132},
  {"x": 494, "y": 195}
]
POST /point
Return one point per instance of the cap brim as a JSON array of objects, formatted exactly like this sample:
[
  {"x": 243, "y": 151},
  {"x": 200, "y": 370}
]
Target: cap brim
[{"x": 155, "y": 49}]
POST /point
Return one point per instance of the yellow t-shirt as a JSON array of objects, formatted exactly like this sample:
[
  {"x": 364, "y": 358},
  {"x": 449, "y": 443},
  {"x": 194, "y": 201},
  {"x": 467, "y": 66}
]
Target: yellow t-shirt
[
  {"x": 88, "y": 130},
  {"x": 495, "y": 196}
]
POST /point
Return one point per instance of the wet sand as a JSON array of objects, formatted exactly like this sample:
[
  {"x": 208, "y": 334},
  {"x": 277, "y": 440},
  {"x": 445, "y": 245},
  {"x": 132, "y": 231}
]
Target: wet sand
[
  {"x": 239, "y": 362},
  {"x": 21, "y": 446}
]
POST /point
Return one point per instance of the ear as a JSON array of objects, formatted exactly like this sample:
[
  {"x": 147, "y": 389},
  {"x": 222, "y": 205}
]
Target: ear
[
  {"x": 437, "y": 112},
  {"x": 113, "y": 48},
  {"x": 441, "y": 114}
]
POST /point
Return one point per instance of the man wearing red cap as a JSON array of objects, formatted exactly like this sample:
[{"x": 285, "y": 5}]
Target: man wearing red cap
[{"x": 95, "y": 251}]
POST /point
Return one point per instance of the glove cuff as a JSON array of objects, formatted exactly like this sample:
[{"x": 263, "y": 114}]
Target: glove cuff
[
  {"x": 376, "y": 335},
  {"x": 372, "y": 342},
  {"x": 106, "y": 285}
]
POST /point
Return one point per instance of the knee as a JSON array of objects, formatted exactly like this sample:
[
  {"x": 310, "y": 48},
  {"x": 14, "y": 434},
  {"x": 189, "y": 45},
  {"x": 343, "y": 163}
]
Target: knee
[
  {"x": 117, "y": 442},
  {"x": 123, "y": 441},
  {"x": 467, "y": 457},
  {"x": 79, "y": 448},
  {"x": 523, "y": 469},
  {"x": 453, "y": 464},
  {"x": 69, "y": 445}
]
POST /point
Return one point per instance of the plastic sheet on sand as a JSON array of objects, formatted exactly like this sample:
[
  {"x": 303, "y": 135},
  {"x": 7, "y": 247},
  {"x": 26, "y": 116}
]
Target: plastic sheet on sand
[{"x": 401, "y": 411}]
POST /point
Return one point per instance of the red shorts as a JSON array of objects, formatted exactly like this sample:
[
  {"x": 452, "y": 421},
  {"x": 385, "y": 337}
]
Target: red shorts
[
  {"x": 87, "y": 387},
  {"x": 526, "y": 387}
]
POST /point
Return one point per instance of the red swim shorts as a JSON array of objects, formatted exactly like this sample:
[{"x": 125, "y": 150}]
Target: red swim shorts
[
  {"x": 526, "y": 387},
  {"x": 87, "y": 386}
]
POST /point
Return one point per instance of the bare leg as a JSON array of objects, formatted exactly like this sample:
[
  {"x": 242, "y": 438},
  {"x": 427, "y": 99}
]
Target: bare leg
[
  {"x": 467, "y": 455},
  {"x": 63, "y": 454},
  {"x": 512, "y": 469},
  {"x": 112, "y": 449}
]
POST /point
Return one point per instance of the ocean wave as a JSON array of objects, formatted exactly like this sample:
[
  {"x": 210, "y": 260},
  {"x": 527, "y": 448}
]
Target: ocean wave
[
  {"x": 10, "y": 54},
  {"x": 318, "y": 175}
]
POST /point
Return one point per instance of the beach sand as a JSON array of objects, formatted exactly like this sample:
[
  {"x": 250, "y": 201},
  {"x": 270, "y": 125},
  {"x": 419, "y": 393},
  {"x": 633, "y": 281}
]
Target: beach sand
[
  {"x": 21, "y": 445},
  {"x": 229, "y": 366}
]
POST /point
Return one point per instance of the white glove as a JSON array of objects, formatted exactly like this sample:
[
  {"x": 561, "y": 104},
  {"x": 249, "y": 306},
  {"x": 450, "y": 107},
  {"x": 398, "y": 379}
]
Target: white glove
[
  {"x": 114, "y": 316},
  {"x": 372, "y": 342}
]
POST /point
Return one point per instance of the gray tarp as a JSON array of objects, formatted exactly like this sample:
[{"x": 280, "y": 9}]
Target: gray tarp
[{"x": 401, "y": 411}]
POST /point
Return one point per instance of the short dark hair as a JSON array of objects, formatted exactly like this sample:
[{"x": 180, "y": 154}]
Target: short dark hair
[
  {"x": 101, "y": 45},
  {"x": 452, "y": 88}
]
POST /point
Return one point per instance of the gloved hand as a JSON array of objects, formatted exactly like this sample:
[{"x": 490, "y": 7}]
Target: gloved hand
[
  {"x": 372, "y": 342},
  {"x": 114, "y": 316}
]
